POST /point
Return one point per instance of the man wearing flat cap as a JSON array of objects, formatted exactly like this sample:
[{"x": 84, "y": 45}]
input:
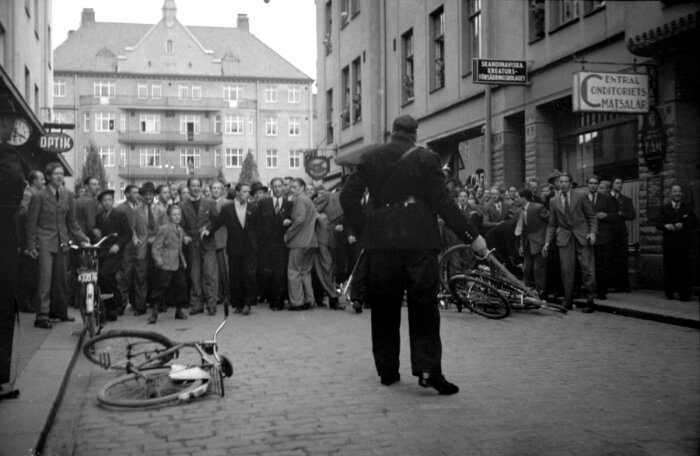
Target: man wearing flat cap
[{"x": 402, "y": 240}]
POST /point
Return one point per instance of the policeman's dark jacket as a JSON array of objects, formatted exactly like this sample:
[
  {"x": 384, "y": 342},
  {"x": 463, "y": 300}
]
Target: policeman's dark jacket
[{"x": 407, "y": 195}]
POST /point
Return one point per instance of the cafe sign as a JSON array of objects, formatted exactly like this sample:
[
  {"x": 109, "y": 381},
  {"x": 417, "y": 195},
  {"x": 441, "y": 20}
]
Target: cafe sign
[
  {"x": 654, "y": 140},
  {"x": 611, "y": 92},
  {"x": 55, "y": 142}
]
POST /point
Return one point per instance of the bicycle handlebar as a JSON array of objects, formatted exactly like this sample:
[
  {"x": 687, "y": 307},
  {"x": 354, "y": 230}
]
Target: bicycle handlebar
[
  {"x": 488, "y": 254},
  {"x": 93, "y": 246}
]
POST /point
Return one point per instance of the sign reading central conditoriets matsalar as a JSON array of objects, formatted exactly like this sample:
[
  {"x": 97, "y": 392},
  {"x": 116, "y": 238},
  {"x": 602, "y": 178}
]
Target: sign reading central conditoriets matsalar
[{"x": 610, "y": 92}]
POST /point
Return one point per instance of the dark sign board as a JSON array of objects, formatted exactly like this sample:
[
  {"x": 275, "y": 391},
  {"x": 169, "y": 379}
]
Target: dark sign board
[
  {"x": 488, "y": 71},
  {"x": 654, "y": 140},
  {"x": 318, "y": 167},
  {"x": 55, "y": 142}
]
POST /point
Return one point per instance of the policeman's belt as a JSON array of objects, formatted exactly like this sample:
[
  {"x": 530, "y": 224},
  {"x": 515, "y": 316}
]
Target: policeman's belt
[{"x": 405, "y": 203}]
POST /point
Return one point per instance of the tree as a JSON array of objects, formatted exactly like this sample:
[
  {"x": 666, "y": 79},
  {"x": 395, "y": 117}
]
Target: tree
[
  {"x": 249, "y": 170},
  {"x": 220, "y": 176},
  {"x": 93, "y": 166}
]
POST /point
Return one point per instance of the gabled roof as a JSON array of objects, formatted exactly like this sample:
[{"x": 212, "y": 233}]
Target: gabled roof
[{"x": 87, "y": 49}]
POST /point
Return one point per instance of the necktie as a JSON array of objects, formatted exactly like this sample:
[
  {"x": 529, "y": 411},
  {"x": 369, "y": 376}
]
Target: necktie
[
  {"x": 498, "y": 207},
  {"x": 58, "y": 195},
  {"x": 567, "y": 208},
  {"x": 277, "y": 205},
  {"x": 151, "y": 220}
]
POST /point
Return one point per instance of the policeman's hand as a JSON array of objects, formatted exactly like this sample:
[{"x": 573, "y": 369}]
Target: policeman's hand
[
  {"x": 670, "y": 227},
  {"x": 286, "y": 222},
  {"x": 151, "y": 239},
  {"x": 520, "y": 251},
  {"x": 339, "y": 228},
  {"x": 33, "y": 253},
  {"x": 591, "y": 238},
  {"x": 351, "y": 239},
  {"x": 679, "y": 226},
  {"x": 545, "y": 250},
  {"x": 601, "y": 215},
  {"x": 479, "y": 247},
  {"x": 85, "y": 244},
  {"x": 187, "y": 239},
  {"x": 97, "y": 233},
  {"x": 204, "y": 233},
  {"x": 114, "y": 249},
  {"x": 137, "y": 241}
]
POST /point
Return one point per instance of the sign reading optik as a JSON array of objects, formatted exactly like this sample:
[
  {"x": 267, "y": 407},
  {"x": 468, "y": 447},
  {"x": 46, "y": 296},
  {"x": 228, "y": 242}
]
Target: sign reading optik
[
  {"x": 611, "y": 92},
  {"x": 56, "y": 142}
]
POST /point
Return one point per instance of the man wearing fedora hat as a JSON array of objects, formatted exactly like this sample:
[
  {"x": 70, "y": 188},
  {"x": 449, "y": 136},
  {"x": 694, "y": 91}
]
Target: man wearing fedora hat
[
  {"x": 152, "y": 216},
  {"x": 257, "y": 192}
]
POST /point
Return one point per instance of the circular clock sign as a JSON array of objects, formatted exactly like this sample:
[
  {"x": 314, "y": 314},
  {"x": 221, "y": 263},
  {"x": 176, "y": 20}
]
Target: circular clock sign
[{"x": 318, "y": 167}]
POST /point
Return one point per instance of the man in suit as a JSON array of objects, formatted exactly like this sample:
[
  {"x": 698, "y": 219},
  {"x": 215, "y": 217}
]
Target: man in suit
[
  {"x": 220, "y": 196},
  {"x": 572, "y": 220},
  {"x": 241, "y": 222},
  {"x": 126, "y": 276},
  {"x": 301, "y": 239},
  {"x": 533, "y": 184},
  {"x": 197, "y": 213},
  {"x": 402, "y": 240},
  {"x": 532, "y": 228},
  {"x": 620, "y": 239},
  {"x": 496, "y": 210},
  {"x": 151, "y": 217},
  {"x": 605, "y": 211},
  {"x": 50, "y": 225},
  {"x": 677, "y": 221},
  {"x": 111, "y": 221},
  {"x": 275, "y": 216},
  {"x": 86, "y": 205},
  {"x": 329, "y": 213}
]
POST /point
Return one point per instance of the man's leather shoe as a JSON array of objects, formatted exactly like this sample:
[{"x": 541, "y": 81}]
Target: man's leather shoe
[
  {"x": 179, "y": 315},
  {"x": 588, "y": 308},
  {"x": 111, "y": 317},
  {"x": 320, "y": 303},
  {"x": 152, "y": 319},
  {"x": 333, "y": 303},
  {"x": 196, "y": 311},
  {"x": 306, "y": 306},
  {"x": 246, "y": 310},
  {"x": 120, "y": 312},
  {"x": 439, "y": 382},
  {"x": 64, "y": 318},
  {"x": 43, "y": 324},
  {"x": 294, "y": 308},
  {"x": 390, "y": 379},
  {"x": 569, "y": 306},
  {"x": 139, "y": 312},
  {"x": 237, "y": 310},
  {"x": 211, "y": 312},
  {"x": 602, "y": 297},
  {"x": 357, "y": 307}
]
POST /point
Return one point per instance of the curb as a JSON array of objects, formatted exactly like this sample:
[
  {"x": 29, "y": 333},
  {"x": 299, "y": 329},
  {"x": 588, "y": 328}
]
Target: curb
[{"x": 661, "y": 318}]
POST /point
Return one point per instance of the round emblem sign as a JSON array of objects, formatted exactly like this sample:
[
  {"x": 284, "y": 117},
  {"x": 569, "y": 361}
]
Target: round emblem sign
[
  {"x": 654, "y": 140},
  {"x": 318, "y": 167}
]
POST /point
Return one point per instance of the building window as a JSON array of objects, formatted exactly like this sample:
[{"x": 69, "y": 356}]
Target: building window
[
  {"x": 562, "y": 12},
  {"x": 122, "y": 157},
  {"x": 190, "y": 158},
  {"x": 196, "y": 92},
  {"x": 233, "y": 125},
  {"x": 169, "y": 47},
  {"x": 271, "y": 94},
  {"x": 107, "y": 156},
  {"x": 354, "y": 8},
  {"x": 149, "y": 158},
  {"x": 294, "y": 126},
  {"x": 356, "y": 90},
  {"x": 536, "y": 19},
  {"x": 104, "y": 121},
  {"x": 86, "y": 121},
  {"x": 59, "y": 88},
  {"x": 104, "y": 89},
  {"x": 471, "y": 34},
  {"x": 294, "y": 95},
  {"x": 295, "y": 159},
  {"x": 183, "y": 91},
  {"x": 271, "y": 159},
  {"x": 217, "y": 123},
  {"x": 329, "y": 116},
  {"x": 271, "y": 126},
  {"x": 590, "y": 6},
  {"x": 156, "y": 91},
  {"x": 437, "y": 49},
  {"x": 345, "y": 97},
  {"x": 217, "y": 158},
  {"x": 122, "y": 123},
  {"x": 122, "y": 189},
  {"x": 407, "y": 67},
  {"x": 327, "y": 41},
  {"x": 190, "y": 124},
  {"x": 234, "y": 158},
  {"x": 251, "y": 125},
  {"x": 149, "y": 123},
  {"x": 233, "y": 92},
  {"x": 142, "y": 91},
  {"x": 344, "y": 13},
  {"x": 60, "y": 117}
]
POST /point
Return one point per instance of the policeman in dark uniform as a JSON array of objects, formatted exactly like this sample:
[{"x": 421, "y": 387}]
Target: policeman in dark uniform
[{"x": 401, "y": 238}]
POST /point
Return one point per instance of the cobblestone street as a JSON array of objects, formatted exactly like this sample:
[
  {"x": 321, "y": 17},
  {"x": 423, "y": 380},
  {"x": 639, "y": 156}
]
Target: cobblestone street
[{"x": 532, "y": 384}]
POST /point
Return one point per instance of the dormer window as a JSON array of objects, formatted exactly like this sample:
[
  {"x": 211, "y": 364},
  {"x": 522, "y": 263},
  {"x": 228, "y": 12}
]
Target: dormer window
[{"x": 169, "y": 48}]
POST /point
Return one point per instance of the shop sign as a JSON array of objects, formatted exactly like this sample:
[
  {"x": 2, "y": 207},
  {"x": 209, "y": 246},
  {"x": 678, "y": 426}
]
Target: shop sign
[
  {"x": 611, "y": 92},
  {"x": 487, "y": 71},
  {"x": 318, "y": 167},
  {"x": 55, "y": 142},
  {"x": 654, "y": 140}
]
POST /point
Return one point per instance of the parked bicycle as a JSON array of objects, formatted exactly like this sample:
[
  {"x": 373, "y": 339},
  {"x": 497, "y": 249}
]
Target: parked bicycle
[
  {"x": 89, "y": 297},
  {"x": 150, "y": 379}
]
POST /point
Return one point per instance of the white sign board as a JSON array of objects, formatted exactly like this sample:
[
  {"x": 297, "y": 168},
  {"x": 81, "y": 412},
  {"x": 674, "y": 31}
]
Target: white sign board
[{"x": 611, "y": 92}]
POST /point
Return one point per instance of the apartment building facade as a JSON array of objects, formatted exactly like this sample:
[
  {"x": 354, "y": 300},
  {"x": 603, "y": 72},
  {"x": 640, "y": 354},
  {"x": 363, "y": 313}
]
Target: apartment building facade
[
  {"x": 417, "y": 58},
  {"x": 166, "y": 102}
]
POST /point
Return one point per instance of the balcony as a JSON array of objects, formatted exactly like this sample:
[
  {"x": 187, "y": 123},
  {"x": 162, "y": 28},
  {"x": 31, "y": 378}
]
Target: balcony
[
  {"x": 162, "y": 174},
  {"x": 170, "y": 137},
  {"x": 167, "y": 103}
]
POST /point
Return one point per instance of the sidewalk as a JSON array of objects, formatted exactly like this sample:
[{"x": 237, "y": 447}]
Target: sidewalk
[
  {"x": 41, "y": 366},
  {"x": 46, "y": 359}
]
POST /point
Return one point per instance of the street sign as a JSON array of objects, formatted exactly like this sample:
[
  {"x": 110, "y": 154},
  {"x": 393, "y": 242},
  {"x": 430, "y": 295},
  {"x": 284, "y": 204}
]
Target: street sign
[
  {"x": 610, "y": 92},
  {"x": 488, "y": 71},
  {"x": 55, "y": 142}
]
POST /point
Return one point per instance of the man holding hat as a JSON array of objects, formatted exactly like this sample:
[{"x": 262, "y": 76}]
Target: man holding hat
[
  {"x": 402, "y": 241},
  {"x": 110, "y": 221},
  {"x": 152, "y": 216}
]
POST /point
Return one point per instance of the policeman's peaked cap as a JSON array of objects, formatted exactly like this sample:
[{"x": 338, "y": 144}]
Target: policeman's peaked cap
[{"x": 405, "y": 123}]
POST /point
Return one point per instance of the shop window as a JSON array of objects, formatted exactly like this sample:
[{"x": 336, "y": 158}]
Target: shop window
[{"x": 407, "y": 93}]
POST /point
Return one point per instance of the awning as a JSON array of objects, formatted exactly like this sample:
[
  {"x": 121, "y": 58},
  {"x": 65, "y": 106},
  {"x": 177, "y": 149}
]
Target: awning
[
  {"x": 12, "y": 103},
  {"x": 667, "y": 39},
  {"x": 353, "y": 157}
]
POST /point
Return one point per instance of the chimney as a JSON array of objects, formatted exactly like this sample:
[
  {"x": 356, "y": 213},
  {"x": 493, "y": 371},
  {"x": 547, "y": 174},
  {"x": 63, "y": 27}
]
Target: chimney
[
  {"x": 87, "y": 16},
  {"x": 243, "y": 23}
]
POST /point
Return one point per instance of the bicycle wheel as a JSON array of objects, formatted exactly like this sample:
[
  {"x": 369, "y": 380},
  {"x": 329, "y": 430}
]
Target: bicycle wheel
[
  {"x": 454, "y": 261},
  {"x": 151, "y": 387},
  {"x": 120, "y": 348},
  {"x": 517, "y": 297},
  {"x": 479, "y": 296}
]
